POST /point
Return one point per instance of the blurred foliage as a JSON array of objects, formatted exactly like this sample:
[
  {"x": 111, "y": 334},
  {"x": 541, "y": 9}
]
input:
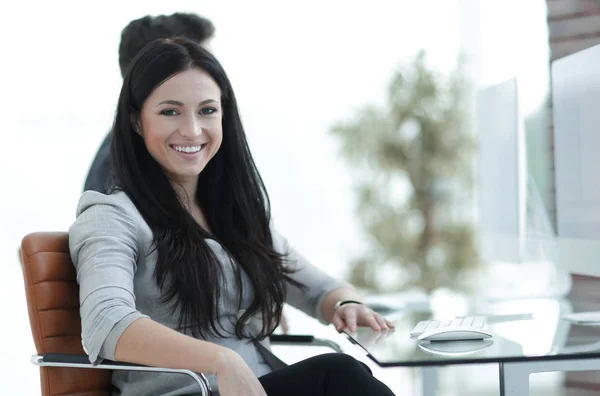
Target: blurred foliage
[{"x": 412, "y": 163}]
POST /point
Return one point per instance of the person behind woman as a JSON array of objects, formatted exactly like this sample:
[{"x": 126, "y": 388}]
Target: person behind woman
[{"x": 179, "y": 266}]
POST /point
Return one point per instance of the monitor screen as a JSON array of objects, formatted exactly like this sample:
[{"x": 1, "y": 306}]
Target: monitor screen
[
  {"x": 576, "y": 116},
  {"x": 502, "y": 181}
]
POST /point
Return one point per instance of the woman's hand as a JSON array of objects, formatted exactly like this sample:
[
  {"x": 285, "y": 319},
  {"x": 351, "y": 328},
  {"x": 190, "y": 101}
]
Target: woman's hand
[
  {"x": 235, "y": 378},
  {"x": 349, "y": 316}
]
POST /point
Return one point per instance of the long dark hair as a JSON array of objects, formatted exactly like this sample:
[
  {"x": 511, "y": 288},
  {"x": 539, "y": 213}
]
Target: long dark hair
[{"x": 230, "y": 192}]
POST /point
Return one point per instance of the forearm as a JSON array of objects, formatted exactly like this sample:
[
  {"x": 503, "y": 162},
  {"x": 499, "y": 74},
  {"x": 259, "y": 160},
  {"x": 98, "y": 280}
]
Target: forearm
[
  {"x": 340, "y": 294},
  {"x": 152, "y": 344}
]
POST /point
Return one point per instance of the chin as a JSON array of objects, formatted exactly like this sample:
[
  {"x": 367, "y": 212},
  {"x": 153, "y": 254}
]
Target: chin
[{"x": 187, "y": 174}]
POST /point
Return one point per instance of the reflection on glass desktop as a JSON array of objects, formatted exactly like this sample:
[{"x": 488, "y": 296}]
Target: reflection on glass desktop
[
  {"x": 464, "y": 348},
  {"x": 575, "y": 96}
]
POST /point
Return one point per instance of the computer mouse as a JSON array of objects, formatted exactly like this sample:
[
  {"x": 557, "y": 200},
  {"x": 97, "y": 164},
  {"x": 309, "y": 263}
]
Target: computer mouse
[{"x": 457, "y": 333}]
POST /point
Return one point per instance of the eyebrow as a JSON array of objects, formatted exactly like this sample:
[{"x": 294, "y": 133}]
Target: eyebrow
[{"x": 178, "y": 103}]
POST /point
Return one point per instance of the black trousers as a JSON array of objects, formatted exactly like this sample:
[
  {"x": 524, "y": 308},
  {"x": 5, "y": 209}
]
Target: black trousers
[{"x": 332, "y": 374}]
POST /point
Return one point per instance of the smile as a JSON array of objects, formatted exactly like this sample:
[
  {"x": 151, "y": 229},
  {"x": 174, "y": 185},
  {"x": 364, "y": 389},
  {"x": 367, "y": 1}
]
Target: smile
[{"x": 188, "y": 149}]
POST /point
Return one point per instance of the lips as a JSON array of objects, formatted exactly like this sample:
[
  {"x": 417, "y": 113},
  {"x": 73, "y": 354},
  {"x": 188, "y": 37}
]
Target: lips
[{"x": 188, "y": 149}]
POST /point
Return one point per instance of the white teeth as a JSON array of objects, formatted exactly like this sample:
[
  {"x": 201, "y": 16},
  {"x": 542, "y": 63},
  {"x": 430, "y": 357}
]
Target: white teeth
[{"x": 188, "y": 149}]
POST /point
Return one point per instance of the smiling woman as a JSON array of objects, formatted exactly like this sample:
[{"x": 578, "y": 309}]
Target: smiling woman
[
  {"x": 181, "y": 125},
  {"x": 287, "y": 103},
  {"x": 179, "y": 265}
]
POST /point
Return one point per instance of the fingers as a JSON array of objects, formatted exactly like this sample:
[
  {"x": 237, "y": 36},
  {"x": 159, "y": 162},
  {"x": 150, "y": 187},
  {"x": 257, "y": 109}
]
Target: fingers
[
  {"x": 338, "y": 322},
  {"x": 350, "y": 317},
  {"x": 375, "y": 321},
  {"x": 390, "y": 324},
  {"x": 381, "y": 322},
  {"x": 371, "y": 321}
]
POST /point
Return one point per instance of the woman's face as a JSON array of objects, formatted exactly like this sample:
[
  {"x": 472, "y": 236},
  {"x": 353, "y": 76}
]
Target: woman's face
[{"x": 181, "y": 123}]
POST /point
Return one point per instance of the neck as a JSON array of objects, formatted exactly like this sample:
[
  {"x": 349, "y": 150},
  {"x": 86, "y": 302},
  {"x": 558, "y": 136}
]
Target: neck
[{"x": 186, "y": 191}]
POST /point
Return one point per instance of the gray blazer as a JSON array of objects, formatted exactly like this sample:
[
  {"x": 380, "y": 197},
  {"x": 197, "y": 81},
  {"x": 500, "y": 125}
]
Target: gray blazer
[{"x": 111, "y": 247}]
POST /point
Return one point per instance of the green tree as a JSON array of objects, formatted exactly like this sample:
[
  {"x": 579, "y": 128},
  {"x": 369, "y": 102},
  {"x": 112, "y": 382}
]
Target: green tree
[{"x": 412, "y": 165}]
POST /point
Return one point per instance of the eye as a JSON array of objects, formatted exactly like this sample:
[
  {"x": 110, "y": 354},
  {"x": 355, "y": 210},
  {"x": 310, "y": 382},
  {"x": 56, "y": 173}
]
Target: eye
[
  {"x": 169, "y": 112},
  {"x": 208, "y": 110}
]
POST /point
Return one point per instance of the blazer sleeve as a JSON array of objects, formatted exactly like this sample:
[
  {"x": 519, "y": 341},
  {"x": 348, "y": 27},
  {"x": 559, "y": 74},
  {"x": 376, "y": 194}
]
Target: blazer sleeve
[
  {"x": 103, "y": 246},
  {"x": 318, "y": 284}
]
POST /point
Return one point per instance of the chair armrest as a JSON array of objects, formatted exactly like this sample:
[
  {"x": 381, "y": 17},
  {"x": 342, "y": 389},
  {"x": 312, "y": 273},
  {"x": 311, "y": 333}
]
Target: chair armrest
[
  {"x": 82, "y": 361},
  {"x": 291, "y": 338},
  {"x": 306, "y": 340}
]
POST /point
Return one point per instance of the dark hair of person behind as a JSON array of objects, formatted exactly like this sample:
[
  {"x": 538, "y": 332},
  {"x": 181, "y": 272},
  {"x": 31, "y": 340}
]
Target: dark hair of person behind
[
  {"x": 230, "y": 192},
  {"x": 138, "y": 33}
]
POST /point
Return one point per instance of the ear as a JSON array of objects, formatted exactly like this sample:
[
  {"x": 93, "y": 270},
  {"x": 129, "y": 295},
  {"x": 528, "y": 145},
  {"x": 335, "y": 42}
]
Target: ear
[{"x": 135, "y": 124}]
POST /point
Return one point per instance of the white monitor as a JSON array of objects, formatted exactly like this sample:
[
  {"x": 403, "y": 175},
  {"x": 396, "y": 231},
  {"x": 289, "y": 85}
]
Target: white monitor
[
  {"x": 502, "y": 173},
  {"x": 576, "y": 112}
]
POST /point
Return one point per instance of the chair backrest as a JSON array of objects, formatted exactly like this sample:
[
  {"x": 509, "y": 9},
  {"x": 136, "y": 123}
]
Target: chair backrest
[{"x": 53, "y": 304}]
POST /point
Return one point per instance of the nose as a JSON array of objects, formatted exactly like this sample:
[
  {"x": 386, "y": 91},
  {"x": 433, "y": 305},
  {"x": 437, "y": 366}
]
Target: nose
[{"x": 191, "y": 128}]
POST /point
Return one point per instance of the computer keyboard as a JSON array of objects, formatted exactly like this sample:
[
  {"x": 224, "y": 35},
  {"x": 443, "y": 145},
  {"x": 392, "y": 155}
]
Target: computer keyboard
[{"x": 468, "y": 322}]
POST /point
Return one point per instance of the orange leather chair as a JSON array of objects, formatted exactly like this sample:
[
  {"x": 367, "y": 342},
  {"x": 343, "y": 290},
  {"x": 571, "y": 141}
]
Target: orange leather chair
[{"x": 53, "y": 303}]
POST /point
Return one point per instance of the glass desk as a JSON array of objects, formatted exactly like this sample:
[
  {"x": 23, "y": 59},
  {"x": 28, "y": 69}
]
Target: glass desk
[{"x": 529, "y": 337}]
